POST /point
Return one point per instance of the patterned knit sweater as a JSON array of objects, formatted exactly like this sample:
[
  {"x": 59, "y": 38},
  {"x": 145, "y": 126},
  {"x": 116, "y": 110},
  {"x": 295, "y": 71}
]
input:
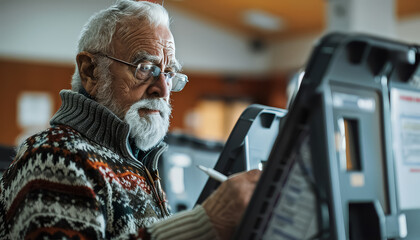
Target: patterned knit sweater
[{"x": 79, "y": 180}]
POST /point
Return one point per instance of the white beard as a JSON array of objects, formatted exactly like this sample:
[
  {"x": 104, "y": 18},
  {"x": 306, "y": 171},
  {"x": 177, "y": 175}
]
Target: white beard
[{"x": 147, "y": 131}]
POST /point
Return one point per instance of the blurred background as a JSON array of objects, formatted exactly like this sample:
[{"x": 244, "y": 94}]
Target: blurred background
[{"x": 235, "y": 52}]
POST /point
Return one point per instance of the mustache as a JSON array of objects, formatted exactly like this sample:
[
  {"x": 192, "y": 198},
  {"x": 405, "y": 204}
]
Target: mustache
[{"x": 154, "y": 104}]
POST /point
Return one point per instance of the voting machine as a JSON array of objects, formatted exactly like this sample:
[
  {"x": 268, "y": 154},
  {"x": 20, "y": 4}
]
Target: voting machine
[
  {"x": 248, "y": 145},
  {"x": 346, "y": 162}
]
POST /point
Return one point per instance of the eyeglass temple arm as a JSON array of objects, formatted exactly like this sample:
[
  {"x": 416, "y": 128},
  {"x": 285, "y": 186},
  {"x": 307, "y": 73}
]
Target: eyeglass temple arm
[{"x": 119, "y": 60}]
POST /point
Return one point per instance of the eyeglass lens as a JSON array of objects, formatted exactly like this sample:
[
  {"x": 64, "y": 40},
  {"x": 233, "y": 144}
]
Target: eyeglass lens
[{"x": 145, "y": 71}]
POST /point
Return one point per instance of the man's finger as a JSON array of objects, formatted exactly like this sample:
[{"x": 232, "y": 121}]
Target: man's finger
[{"x": 251, "y": 175}]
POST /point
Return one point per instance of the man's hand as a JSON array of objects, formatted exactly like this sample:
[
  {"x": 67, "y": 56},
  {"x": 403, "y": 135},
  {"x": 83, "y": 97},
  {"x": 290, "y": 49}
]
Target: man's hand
[{"x": 227, "y": 204}]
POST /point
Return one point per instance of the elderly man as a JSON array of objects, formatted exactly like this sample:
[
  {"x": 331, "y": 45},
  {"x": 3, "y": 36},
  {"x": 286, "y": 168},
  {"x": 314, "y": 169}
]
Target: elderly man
[{"x": 93, "y": 174}]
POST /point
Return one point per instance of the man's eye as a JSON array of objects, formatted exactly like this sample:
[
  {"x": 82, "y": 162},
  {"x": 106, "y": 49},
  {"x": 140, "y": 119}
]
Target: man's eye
[{"x": 145, "y": 67}]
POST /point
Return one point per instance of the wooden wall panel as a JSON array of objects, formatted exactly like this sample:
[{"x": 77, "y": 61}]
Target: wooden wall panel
[
  {"x": 19, "y": 76},
  {"x": 266, "y": 90}
]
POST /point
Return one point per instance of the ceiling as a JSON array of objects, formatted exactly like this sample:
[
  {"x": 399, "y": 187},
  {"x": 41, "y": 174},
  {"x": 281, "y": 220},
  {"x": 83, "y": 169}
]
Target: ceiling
[{"x": 296, "y": 16}]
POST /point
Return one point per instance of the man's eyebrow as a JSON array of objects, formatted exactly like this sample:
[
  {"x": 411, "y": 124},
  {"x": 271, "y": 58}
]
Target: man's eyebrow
[
  {"x": 147, "y": 57},
  {"x": 175, "y": 65}
]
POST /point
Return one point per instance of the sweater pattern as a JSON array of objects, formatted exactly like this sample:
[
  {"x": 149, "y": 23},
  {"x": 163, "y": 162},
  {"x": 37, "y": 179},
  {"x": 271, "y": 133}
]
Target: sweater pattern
[{"x": 64, "y": 185}]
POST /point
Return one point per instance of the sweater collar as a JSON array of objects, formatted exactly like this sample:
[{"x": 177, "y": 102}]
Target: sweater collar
[{"x": 94, "y": 121}]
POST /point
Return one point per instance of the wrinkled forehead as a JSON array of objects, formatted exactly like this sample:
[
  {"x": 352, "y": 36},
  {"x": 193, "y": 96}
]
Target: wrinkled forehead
[{"x": 134, "y": 33}]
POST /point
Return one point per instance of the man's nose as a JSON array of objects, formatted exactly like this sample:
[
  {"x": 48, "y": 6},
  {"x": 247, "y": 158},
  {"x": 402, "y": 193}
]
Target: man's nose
[{"x": 160, "y": 87}]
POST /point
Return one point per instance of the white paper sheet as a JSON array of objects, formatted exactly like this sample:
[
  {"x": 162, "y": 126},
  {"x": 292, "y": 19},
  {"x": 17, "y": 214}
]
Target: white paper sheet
[
  {"x": 294, "y": 217},
  {"x": 405, "y": 112}
]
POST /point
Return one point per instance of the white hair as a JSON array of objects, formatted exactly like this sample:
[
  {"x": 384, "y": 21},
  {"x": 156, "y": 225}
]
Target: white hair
[{"x": 97, "y": 33}]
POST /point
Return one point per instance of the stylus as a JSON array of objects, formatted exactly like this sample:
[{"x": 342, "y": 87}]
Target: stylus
[{"x": 213, "y": 173}]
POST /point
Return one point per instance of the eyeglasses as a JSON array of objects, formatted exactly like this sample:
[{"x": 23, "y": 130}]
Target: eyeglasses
[{"x": 145, "y": 70}]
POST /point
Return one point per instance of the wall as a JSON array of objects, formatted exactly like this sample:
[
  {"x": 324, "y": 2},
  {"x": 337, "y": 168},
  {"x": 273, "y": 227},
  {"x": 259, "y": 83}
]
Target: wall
[
  {"x": 292, "y": 53},
  {"x": 48, "y": 30},
  {"x": 408, "y": 29},
  {"x": 42, "y": 34},
  {"x": 37, "y": 48},
  {"x": 20, "y": 76},
  {"x": 203, "y": 47},
  {"x": 44, "y": 29}
]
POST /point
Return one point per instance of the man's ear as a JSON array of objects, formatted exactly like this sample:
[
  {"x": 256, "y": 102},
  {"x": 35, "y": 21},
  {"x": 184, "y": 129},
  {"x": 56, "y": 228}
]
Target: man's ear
[{"x": 86, "y": 65}]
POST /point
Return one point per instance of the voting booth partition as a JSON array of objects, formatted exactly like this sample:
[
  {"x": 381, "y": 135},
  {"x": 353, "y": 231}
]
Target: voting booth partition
[{"x": 346, "y": 162}]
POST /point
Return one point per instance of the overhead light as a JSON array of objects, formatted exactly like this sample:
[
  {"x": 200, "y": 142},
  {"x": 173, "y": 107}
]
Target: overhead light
[{"x": 263, "y": 20}]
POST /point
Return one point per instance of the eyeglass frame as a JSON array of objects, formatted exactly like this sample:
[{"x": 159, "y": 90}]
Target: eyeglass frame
[{"x": 182, "y": 77}]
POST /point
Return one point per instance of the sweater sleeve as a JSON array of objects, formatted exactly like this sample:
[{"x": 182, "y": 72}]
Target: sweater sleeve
[{"x": 193, "y": 224}]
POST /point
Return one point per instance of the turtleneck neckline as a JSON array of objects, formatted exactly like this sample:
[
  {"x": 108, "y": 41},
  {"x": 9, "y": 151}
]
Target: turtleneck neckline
[{"x": 94, "y": 121}]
